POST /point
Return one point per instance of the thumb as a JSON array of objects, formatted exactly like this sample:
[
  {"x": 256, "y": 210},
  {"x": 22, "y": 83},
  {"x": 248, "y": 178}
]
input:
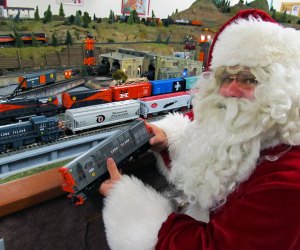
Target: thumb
[{"x": 113, "y": 170}]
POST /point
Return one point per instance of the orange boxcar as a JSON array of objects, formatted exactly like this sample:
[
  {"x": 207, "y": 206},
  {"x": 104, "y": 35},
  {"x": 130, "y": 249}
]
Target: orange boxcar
[
  {"x": 131, "y": 91},
  {"x": 86, "y": 98}
]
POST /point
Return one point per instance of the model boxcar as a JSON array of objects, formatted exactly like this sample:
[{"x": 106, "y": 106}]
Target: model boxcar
[
  {"x": 38, "y": 128},
  {"x": 17, "y": 108},
  {"x": 37, "y": 79},
  {"x": 99, "y": 115},
  {"x": 131, "y": 91},
  {"x": 191, "y": 81},
  {"x": 168, "y": 86},
  {"x": 164, "y": 103},
  {"x": 85, "y": 98},
  {"x": 89, "y": 169}
]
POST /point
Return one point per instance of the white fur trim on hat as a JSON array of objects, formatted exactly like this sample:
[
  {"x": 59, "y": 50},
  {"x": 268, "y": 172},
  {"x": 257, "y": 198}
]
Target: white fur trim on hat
[
  {"x": 133, "y": 215},
  {"x": 254, "y": 43}
]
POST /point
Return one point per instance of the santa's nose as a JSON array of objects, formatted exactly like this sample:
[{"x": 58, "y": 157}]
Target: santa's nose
[{"x": 232, "y": 89}]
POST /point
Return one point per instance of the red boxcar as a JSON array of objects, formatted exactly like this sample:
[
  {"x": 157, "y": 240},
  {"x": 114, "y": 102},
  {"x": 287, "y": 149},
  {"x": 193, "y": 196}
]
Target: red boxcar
[
  {"x": 131, "y": 91},
  {"x": 86, "y": 98}
]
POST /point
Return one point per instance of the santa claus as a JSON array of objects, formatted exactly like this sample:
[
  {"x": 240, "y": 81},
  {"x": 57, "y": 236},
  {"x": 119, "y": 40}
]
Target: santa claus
[{"x": 236, "y": 159}]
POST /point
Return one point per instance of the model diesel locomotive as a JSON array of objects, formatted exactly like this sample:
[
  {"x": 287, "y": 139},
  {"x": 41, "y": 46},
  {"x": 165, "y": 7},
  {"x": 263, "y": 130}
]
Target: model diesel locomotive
[
  {"x": 38, "y": 128},
  {"x": 88, "y": 170},
  {"x": 15, "y": 109}
]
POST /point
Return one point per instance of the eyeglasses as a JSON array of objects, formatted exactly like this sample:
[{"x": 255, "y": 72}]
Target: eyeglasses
[{"x": 244, "y": 77}]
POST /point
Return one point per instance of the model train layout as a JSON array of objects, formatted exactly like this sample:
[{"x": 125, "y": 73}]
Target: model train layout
[
  {"x": 94, "y": 108},
  {"x": 89, "y": 169}
]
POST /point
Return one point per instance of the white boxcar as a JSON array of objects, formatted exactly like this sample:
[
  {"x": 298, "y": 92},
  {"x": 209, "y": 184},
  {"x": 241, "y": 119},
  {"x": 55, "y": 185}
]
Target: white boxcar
[
  {"x": 99, "y": 115},
  {"x": 164, "y": 103}
]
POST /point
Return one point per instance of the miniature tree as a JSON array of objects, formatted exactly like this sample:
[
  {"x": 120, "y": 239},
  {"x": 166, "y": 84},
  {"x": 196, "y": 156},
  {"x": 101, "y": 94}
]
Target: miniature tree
[
  {"x": 35, "y": 42},
  {"x": 135, "y": 16},
  {"x": 130, "y": 19},
  {"x": 283, "y": 17},
  {"x": 111, "y": 18},
  {"x": 86, "y": 19},
  {"x": 77, "y": 20},
  {"x": 153, "y": 17},
  {"x": 36, "y": 14},
  {"x": 48, "y": 15},
  {"x": 119, "y": 75},
  {"x": 18, "y": 41},
  {"x": 168, "y": 39},
  {"x": 61, "y": 10},
  {"x": 69, "y": 40},
  {"x": 54, "y": 40},
  {"x": 71, "y": 19},
  {"x": 158, "y": 39},
  {"x": 17, "y": 17}
]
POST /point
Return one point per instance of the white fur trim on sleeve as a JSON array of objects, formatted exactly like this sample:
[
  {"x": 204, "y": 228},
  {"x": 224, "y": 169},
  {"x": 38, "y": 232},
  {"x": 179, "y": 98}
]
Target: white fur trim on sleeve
[
  {"x": 174, "y": 125},
  {"x": 133, "y": 214}
]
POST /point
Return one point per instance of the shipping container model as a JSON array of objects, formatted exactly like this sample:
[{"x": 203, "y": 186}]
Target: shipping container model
[
  {"x": 131, "y": 91},
  {"x": 168, "y": 86},
  {"x": 85, "y": 98},
  {"x": 34, "y": 80},
  {"x": 164, "y": 103},
  {"x": 191, "y": 81},
  {"x": 99, "y": 115}
]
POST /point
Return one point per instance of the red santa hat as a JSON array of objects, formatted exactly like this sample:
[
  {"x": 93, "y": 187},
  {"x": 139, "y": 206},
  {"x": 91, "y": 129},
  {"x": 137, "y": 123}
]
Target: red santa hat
[{"x": 252, "y": 38}]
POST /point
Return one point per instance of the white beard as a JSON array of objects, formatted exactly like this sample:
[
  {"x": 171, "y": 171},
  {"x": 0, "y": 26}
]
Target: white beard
[{"x": 219, "y": 150}]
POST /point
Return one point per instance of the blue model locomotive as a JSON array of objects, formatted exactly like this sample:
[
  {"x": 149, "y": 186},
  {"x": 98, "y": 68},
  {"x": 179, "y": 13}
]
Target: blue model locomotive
[
  {"x": 38, "y": 128},
  {"x": 89, "y": 169}
]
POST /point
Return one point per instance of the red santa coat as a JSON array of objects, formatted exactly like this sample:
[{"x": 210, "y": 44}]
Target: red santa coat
[{"x": 262, "y": 213}]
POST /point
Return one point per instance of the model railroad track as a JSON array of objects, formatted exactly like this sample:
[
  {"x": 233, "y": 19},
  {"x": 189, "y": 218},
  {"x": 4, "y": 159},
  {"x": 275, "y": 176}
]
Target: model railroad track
[
  {"x": 65, "y": 138},
  {"x": 18, "y": 93}
]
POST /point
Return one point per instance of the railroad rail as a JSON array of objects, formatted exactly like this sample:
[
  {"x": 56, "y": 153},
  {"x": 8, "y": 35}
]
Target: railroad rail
[
  {"x": 67, "y": 147},
  {"x": 53, "y": 89}
]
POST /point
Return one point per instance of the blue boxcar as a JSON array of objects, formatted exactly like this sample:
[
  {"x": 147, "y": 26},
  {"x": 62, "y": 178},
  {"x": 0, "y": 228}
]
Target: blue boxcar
[
  {"x": 37, "y": 79},
  {"x": 168, "y": 86},
  {"x": 191, "y": 81}
]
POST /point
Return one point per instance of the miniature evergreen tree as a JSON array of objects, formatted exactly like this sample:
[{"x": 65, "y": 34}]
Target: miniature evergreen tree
[
  {"x": 36, "y": 14},
  {"x": 18, "y": 41},
  {"x": 48, "y": 15},
  {"x": 69, "y": 40},
  {"x": 71, "y": 19},
  {"x": 17, "y": 17},
  {"x": 86, "y": 19},
  {"x": 135, "y": 16},
  {"x": 35, "y": 42},
  {"x": 111, "y": 18},
  {"x": 54, "y": 40},
  {"x": 158, "y": 39},
  {"x": 77, "y": 20},
  {"x": 153, "y": 17},
  {"x": 130, "y": 19},
  {"x": 61, "y": 10},
  {"x": 274, "y": 14},
  {"x": 283, "y": 17},
  {"x": 168, "y": 39}
]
